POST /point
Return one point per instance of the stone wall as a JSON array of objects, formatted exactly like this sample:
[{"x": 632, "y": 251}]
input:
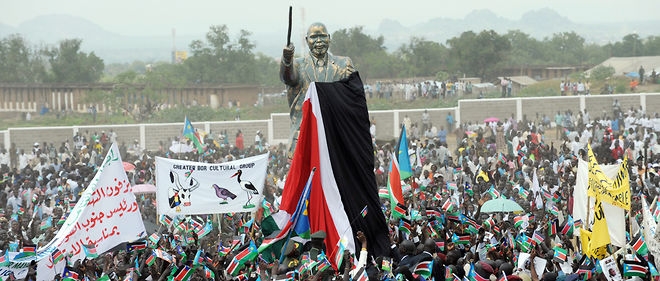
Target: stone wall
[
  {"x": 549, "y": 106},
  {"x": 276, "y": 129},
  {"x": 24, "y": 138},
  {"x": 478, "y": 110}
]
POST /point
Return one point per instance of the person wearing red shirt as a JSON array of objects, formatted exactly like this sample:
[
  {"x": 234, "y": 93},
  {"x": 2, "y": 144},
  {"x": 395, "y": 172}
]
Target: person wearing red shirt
[
  {"x": 239, "y": 140},
  {"x": 617, "y": 151}
]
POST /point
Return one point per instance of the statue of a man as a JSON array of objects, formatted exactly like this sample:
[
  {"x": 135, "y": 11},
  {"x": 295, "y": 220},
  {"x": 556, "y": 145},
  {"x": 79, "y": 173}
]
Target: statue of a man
[{"x": 317, "y": 66}]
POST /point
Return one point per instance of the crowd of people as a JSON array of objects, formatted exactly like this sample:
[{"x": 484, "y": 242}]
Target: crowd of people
[
  {"x": 429, "y": 89},
  {"x": 442, "y": 234}
]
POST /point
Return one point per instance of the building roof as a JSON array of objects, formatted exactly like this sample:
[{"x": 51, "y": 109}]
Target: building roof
[
  {"x": 623, "y": 65},
  {"x": 521, "y": 80}
]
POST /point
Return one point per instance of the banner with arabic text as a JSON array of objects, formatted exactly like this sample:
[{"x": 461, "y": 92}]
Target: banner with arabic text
[{"x": 105, "y": 216}]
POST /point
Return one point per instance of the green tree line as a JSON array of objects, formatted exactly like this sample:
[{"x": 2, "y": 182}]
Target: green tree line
[
  {"x": 218, "y": 58},
  {"x": 480, "y": 54},
  {"x": 64, "y": 63}
]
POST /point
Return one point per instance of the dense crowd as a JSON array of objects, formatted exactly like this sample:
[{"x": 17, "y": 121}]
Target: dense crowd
[
  {"x": 442, "y": 233},
  {"x": 430, "y": 89}
]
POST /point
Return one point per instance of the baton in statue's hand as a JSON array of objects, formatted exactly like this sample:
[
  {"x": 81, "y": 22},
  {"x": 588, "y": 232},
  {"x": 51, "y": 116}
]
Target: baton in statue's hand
[{"x": 288, "y": 34}]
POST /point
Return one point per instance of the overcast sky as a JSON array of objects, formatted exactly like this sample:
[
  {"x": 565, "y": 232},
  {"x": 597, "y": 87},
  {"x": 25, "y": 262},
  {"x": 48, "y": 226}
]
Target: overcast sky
[{"x": 158, "y": 17}]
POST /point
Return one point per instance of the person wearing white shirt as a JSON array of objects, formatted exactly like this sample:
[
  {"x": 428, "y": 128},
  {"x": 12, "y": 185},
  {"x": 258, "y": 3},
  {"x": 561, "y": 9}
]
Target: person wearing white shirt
[
  {"x": 576, "y": 146},
  {"x": 22, "y": 160},
  {"x": 584, "y": 138},
  {"x": 4, "y": 157},
  {"x": 14, "y": 201},
  {"x": 372, "y": 129},
  {"x": 585, "y": 117},
  {"x": 515, "y": 142},
  {"x": 362, "y": 258}
]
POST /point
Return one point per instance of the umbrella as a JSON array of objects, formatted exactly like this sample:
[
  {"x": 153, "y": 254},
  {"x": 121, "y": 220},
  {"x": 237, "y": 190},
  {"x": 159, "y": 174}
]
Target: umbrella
[
  {"x": 500, "y": 205},
  {"x": 180, "y": 148},
  {"x": 144, "y": 188},
  {"x": 128, "y": 166},
  {"x": 632, "y": 74},
  {"x": 491, "y": 119}
]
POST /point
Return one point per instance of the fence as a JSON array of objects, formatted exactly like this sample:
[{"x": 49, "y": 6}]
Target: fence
[{"x": 276, "y": 129}]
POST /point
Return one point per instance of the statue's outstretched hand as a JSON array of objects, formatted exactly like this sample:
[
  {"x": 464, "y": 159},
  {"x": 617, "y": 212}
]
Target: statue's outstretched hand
[{"x": 287, "y": 53}]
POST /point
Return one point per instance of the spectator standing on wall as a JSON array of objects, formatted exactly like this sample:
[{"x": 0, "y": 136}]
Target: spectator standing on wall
[
  {"x": 509, "y": 85},
  {"x": 503, "y": 83}
]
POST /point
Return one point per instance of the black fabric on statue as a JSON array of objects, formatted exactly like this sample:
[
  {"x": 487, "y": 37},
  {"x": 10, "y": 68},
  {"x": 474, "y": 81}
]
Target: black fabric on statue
[{"x": 346, "y": 122}]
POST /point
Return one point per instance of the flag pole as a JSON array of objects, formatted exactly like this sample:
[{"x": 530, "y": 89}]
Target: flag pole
[
  {"x": 311, "y": 175},
  {"x": 344, "y": 233}
]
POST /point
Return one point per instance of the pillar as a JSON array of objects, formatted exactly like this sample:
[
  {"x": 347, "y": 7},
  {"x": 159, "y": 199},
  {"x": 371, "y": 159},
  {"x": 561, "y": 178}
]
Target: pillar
[
  {"x": 66, "y": 100},
  {"x": 395, "y": 129},
  {"x": 642, "y": 101},
  {"x": 71, "y": 101},
  {"x": 143, "y": 137},
  {"x": 519, "y": 109}
]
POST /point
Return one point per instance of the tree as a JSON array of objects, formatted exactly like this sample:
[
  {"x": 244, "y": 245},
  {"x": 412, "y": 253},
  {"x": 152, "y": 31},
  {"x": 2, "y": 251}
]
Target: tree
[
  {"x": 652, "y": 46},
  {"x": 219, "y": 60},
  {"x": 424, "y": 57},
  {"x": 368, "y": 54},
  {"x": 567, "y": 47},
  {"x": 631, "y": 45},
  {"x": 600, "y": 73},
  {"x": 20, "y": 63},
  {"x": 69, "y": 64},
  {"x": 478, "y": 54},
  {"x": 525, "y": 50},
  {"x": 140, "y": 95}
]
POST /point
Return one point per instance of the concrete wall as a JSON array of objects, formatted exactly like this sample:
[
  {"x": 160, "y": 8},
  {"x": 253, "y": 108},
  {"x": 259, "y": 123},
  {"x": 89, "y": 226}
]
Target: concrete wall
[
  {"x": 385, "y": 125},
  {"x": 3, "y": 135},
  {"x": 24, "y": 138},
  {"x": 280, "y": 126},
  {"x": 597, "y": 105},
  {"x": 276, "y": 129},
  {"x": 549, "y": 106},
  {"x": 478, "y": 110}
]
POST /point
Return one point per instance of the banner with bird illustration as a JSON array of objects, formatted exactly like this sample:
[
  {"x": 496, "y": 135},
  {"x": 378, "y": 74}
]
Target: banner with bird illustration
[{"x": 190, "y": 188}]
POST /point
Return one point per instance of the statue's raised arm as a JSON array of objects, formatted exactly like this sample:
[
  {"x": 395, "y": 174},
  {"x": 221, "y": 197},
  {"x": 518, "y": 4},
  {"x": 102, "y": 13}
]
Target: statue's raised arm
[{"x": 288, "y": 74}]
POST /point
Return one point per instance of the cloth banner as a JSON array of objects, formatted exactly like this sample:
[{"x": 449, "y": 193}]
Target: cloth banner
[
  {"x": 105, "y": 216},
  {"x": 615, "y": 216},
  {"x": 617, "y": 191},
  {"x": 334, "y": 138},
  {"x": 193, "y": 188}
]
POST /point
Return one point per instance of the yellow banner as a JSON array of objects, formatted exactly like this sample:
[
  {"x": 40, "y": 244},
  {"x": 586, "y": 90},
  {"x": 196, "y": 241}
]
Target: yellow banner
[
  {"x": 585, "y": 238},
  {"x": 615, "y": 192},
  {"x": 600, "y": 236},
  {"x": 599, "y": 253}
]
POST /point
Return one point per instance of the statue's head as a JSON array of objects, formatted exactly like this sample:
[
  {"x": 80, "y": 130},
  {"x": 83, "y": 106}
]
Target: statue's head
[{"x": 318, "y": 39}]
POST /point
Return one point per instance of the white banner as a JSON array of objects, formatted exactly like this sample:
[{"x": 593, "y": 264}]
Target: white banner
[
  {"x": 190, "y": 188},
  {"x": 615, "y": 216},
  {"x": 106, "y": 215}
]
